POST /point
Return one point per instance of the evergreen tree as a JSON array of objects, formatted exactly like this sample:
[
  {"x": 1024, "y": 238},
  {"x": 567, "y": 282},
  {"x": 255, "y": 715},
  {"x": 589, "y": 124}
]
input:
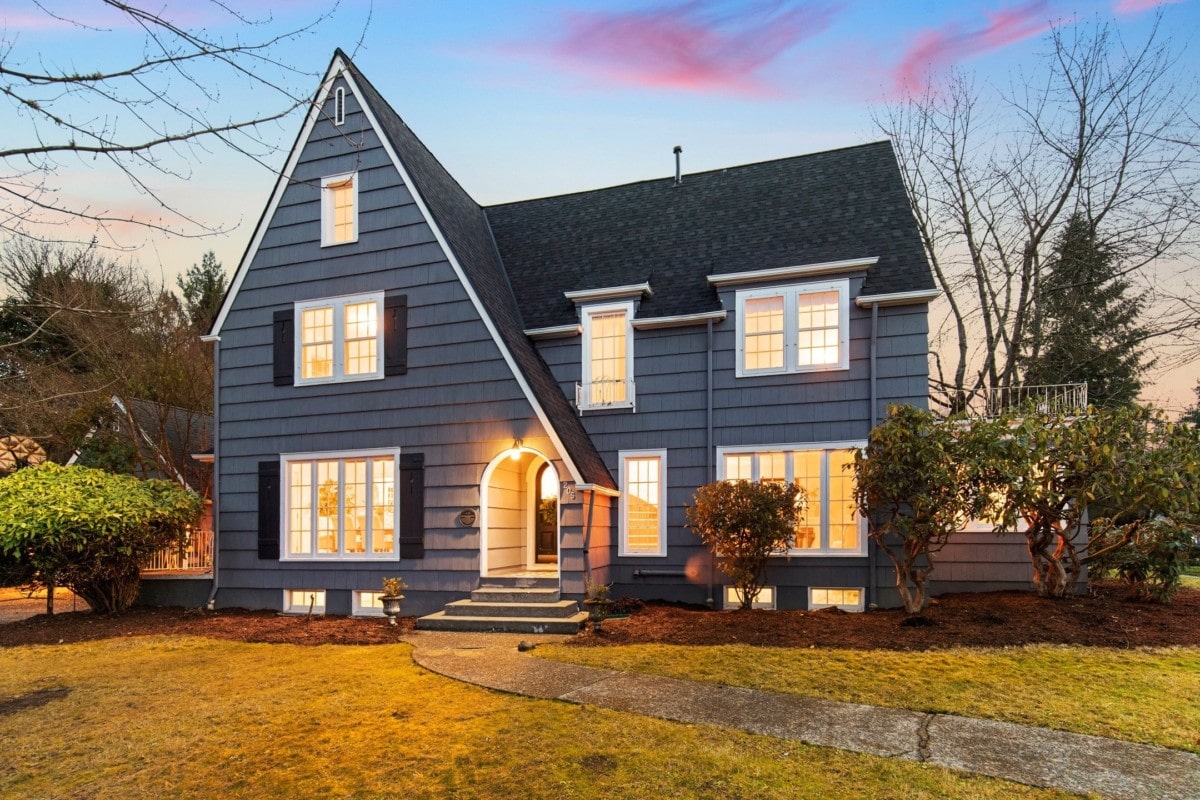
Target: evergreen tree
[
  {"x": 1086, "y": 325},
  {"x": 203, "y": 290},
  {"x": 1192, "y": 415}
]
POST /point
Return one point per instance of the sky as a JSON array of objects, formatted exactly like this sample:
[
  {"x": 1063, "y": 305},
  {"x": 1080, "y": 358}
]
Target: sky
[{"x": 527, "y": 98}]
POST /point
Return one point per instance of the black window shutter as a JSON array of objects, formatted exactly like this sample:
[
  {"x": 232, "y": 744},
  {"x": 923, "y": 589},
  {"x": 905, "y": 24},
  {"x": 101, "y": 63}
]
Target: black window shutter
[
  {"x": 412, "y": 505},
  {"x": 395, "y": 334},
  {"x": 268, "y": 510},
  {"x": 283, "y": 323}
]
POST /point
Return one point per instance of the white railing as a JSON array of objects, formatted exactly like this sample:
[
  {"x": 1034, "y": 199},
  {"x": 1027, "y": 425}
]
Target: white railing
[
  {"x": 614, "y": 393},
  {"x": 1065, "y": 398},
  {"x": 195, "y": 555}
]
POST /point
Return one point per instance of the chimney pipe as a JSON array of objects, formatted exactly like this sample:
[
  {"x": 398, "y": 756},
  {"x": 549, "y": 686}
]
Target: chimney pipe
[{"x": 678, "y": 175}]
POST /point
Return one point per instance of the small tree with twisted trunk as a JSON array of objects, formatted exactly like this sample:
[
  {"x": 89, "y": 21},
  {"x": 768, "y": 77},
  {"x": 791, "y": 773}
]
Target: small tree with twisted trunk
[
  {"x": 745, "y": 523},
  {"x": 916, "y": 486},
  {"x": 90, "y": 530}
]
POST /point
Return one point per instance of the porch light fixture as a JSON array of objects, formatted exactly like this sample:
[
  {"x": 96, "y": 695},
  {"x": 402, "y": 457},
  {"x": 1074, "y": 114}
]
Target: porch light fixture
[{"x": 515, "y": 452}]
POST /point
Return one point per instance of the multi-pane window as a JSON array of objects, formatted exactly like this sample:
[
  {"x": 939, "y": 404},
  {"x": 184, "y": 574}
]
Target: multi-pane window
[
  {"x": 830, "y": 524},
  {"x": 607, "y": 357},
  {"x": 817, "y": 329},
  {"x": 763, "y": 325},
  {"x": 339, "y": 209},
  {"x": 845, "y": 599},
  {"x": 643, "y": 503},
  {"x": 340, "y": 507},
  {"x": 340, "y": 339},
  {"x": 793, "y": 328}
]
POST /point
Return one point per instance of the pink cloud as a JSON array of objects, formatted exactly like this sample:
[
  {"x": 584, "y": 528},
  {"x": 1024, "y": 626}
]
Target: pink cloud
[
  {"x": 1138, "y": 6},
  {"x": 694, "y": 46},
  {"x": 937, "y": 48}
]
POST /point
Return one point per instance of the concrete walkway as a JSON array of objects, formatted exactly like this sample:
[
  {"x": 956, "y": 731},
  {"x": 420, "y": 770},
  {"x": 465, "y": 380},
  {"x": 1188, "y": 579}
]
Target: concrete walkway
[
  {"x": 16, "y": 605},
  {"x": 1033, "y": 756}
]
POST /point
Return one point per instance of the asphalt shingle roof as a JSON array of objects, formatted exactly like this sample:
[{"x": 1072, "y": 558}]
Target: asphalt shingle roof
[
  {"x": 465, "y": 228},
  {"x": 830, "y": 206},
  {"x": 521, "y": 257}
]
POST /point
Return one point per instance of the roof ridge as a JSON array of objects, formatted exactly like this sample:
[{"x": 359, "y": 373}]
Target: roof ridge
[{"x": 714, "y": 171}]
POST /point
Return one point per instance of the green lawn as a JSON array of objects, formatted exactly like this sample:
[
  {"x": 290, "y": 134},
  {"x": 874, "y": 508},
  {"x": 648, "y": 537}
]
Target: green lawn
[
  {"x": 188, "y": 717},
  {"x": 1140, "y": 695}
]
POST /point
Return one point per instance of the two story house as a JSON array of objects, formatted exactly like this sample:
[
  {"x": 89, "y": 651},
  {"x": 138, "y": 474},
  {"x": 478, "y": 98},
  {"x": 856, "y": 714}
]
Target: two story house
[{"x": 411, "y": 384}]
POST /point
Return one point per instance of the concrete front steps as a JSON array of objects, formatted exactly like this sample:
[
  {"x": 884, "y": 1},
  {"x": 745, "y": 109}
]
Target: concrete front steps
[{"x": 510, "y": 605}]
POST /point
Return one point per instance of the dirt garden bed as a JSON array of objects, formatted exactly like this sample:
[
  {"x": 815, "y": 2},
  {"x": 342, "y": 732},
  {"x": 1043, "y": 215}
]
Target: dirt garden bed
[{"x": 995, "y": 619}]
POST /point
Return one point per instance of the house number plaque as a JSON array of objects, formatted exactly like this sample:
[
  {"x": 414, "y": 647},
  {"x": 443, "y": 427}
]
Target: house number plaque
[{"x": 467, "y": 517}]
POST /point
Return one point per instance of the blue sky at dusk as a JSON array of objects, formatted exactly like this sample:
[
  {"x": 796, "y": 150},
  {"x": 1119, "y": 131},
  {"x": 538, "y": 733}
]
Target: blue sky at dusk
[{"x": 527, "y": 98}]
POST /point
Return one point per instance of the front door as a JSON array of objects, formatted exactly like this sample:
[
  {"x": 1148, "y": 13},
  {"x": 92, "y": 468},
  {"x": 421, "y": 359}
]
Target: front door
[{"x": 545, "y": 518}]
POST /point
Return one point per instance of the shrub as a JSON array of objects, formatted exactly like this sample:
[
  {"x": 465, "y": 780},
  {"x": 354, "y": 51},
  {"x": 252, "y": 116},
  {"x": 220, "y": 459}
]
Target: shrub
[
  {"x": 91, "y": 530},
  {"x": 744, "y": 523},
  {"x": 1150, "y": 564},
  {"x": 916, "y": 485}
]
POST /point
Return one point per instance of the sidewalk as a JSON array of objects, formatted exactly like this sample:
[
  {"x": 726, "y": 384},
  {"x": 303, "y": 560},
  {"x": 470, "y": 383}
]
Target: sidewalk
[{"x": 1033, "y": 756}]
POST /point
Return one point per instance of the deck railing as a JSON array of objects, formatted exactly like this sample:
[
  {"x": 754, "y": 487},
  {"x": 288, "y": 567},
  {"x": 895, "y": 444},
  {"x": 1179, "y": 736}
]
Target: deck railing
[
  {"x": 1066, "y": 398},
  {"x": 195, "y": 555}
]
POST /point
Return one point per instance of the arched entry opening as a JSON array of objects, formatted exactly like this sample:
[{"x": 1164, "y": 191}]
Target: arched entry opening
[{"x": 519, "y": 515}]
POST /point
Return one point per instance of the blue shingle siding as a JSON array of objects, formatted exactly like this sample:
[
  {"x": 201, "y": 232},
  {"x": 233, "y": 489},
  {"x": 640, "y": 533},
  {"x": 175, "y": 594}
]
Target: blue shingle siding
[{"x": 475, "y": 381}]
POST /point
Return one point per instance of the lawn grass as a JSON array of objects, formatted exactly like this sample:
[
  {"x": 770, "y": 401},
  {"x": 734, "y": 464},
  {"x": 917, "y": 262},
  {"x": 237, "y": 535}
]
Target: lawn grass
[
  {"x": 1139, "y": 695},
  {"x": 187, "y": 717}
]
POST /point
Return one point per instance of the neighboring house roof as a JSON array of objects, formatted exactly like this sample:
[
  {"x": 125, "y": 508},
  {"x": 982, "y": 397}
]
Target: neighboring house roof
[
  {"x": 833, "y": 206},
  {"x": 166, "y": 439}
]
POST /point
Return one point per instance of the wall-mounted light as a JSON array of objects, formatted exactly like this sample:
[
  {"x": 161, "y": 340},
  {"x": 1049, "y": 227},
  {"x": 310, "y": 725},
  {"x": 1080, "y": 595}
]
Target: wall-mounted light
[{"x": 515, "y": 452}]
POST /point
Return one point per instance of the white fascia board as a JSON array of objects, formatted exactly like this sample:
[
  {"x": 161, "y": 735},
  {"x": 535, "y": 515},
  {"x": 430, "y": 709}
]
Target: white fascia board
[
  {"x": 526, "y": 389},
  {"x": 897, "y": 298},
  {"x": 679, "y": 321},
  {"x": 608, "y": 293},
  {"x": 603, "y": 490},
  {"x": 787, "y": 273},
  {"x": 314, "y": 113},
  {"x": 555, "y": 332}
]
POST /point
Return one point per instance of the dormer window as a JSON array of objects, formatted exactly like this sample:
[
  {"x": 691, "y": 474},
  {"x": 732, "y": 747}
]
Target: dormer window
[
  {"x": 607, "y": 357},
  {"x": 339, "y": 106},
  {"x": 339, "y": 209},
  {"x": 799, "y": 328}
]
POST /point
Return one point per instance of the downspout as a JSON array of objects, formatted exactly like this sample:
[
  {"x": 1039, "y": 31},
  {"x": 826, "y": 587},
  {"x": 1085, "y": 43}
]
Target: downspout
[
  {"x": 211, "y": 603},
  {"x": 708, "y": 454},
  {"x": 872, "y": 553},
  {"x": 587, "y": 537}
]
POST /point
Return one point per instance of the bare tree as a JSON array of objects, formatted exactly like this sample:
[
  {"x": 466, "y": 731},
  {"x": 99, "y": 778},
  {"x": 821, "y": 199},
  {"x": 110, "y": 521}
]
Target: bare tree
[
  {"x": 149, "y": 115},
  {"x": 1098, "y": 129}
]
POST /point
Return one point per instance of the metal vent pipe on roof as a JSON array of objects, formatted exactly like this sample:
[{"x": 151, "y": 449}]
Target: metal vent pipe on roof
[{"x": 678, "y": 174}]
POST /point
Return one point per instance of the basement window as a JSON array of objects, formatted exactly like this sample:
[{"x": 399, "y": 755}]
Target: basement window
[
  {"x": 765, "y": 599},
  {"x": 845, "y": 599},
  {"x": 304, "y": 601}
]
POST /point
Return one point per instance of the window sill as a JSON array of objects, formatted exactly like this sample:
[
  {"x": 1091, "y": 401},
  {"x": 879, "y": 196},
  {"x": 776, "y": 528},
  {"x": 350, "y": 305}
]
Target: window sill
[
  {"x": 335, "y": 381},
  {"x": 609, "y": 407},
  {"x": 821, "y": 554},
  {"x": 768, "y": 373},
  {"x": 328, "y": 559},
  {"x": 338, "y": 244}
]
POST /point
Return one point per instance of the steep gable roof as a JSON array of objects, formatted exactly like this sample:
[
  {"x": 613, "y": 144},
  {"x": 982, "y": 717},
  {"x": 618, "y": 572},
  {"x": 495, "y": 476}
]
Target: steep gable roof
[
  {"x": 465, "y": 228},
  {"x": 831, "y": 206}
]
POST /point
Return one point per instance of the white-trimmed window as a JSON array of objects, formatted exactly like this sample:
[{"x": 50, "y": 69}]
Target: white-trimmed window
[
  {"x": 764, "y": 600},
  {"x": 339, "y": 209},
  {"x": 643, "y": 476},
  {"x": 340, "y": 505},
  {"x": 607, "y": 357},
  {"x": 339, "y": 339},
  {"x": 304, "y": 601},
  {"x": 339, "y": 106},
  {"x": 799, "y": 328},
  {"x": 368, "y": 604},
  {"x": 831, "y": 524},
  {"x": 840, "y": 597}
]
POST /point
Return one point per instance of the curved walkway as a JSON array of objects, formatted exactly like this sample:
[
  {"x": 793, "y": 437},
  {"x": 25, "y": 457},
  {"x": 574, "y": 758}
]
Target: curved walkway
[{"x": 1033, "y": 756}]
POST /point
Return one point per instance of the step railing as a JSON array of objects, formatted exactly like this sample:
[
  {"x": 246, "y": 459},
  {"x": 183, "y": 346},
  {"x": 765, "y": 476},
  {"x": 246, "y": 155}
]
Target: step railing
[{"x": 194, "y": 555}]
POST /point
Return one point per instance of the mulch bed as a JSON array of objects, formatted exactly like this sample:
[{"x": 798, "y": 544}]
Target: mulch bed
[{"x": 997, "y": 619}]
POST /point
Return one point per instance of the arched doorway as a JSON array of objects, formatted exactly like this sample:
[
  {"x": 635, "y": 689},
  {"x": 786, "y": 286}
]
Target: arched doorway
[{"x": 519, "y": 515}]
